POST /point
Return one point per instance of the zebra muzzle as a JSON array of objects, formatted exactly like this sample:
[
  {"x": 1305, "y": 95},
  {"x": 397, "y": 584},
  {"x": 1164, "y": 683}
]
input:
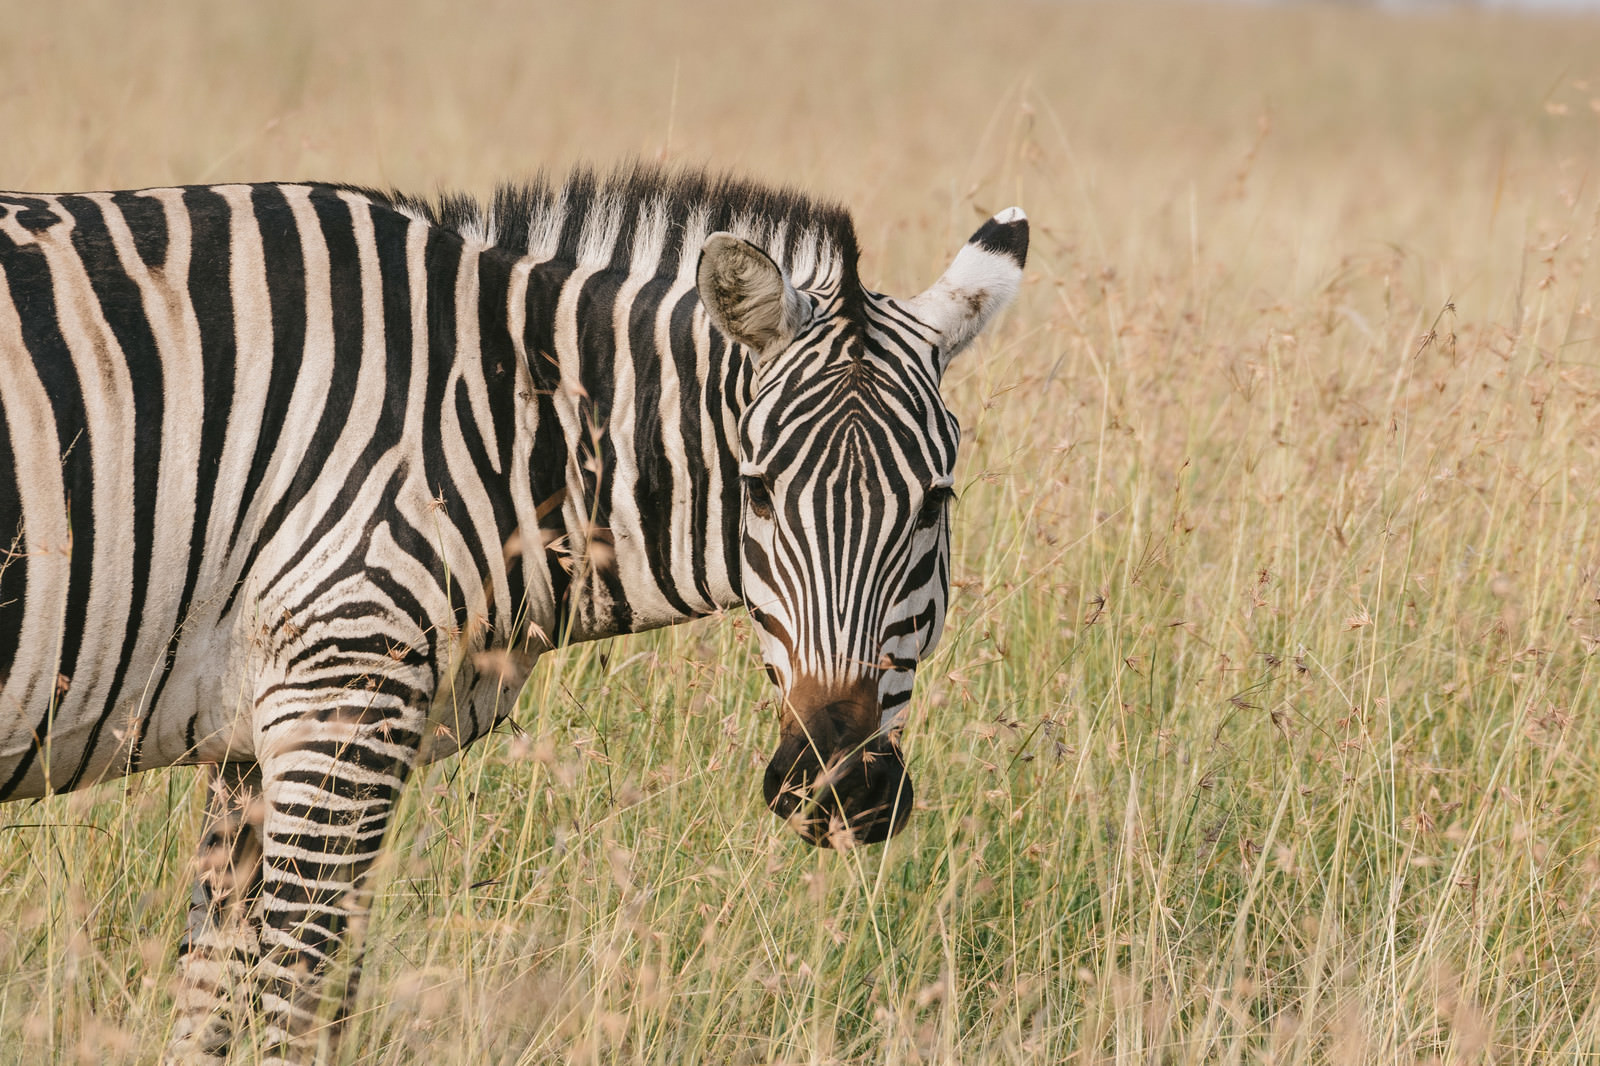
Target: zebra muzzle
[{"x": 851, "y": 794}]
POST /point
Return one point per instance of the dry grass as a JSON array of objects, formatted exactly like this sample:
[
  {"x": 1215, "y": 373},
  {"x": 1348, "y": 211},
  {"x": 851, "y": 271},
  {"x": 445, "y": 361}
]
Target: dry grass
[{"x": 1264, "y": 729}]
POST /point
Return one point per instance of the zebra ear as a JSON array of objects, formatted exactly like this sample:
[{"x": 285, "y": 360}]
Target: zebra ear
[
  {"x": 747, "y": 296},
  {"x": 978, "y": 284}
]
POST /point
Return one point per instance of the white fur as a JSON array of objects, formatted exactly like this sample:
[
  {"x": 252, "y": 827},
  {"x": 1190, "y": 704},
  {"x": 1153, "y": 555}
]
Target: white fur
[{"x": 977, "y": 285}]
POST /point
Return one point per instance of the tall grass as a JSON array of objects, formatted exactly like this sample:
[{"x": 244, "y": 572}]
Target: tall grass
[{"x": 1263, "y": 731}]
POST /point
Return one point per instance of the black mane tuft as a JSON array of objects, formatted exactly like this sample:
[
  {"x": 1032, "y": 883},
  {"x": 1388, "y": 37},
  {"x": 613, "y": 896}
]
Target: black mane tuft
[{"x": 648, "y": 203}]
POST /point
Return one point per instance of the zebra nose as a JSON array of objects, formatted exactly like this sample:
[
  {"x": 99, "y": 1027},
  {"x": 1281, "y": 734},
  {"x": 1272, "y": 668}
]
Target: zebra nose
[
  {"x": 839, "y": 795},
  {"x": 794, "y": 766}
]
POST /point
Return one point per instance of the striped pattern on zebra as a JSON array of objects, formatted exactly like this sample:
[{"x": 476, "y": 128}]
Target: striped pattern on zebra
[{"x": 285, "y": 468}]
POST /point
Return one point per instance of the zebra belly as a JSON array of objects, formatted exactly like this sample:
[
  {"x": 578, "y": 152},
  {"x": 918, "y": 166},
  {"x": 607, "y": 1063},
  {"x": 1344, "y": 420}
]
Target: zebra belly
[{"x": 59, "y": 734}]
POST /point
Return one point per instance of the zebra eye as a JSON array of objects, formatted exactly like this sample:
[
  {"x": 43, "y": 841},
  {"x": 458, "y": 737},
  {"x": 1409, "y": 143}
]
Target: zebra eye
[
  {"x": 933, "y": 505},
  {"x": 755, "y": 490}
]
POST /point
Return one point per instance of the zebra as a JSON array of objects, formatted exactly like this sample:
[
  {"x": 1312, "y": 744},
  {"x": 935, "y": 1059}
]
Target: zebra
[{"x": 297, "y": 481}]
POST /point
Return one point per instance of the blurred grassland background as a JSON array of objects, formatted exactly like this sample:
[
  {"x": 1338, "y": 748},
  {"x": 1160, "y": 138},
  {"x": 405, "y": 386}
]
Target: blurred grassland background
[{"x": 1264, "y": 727}]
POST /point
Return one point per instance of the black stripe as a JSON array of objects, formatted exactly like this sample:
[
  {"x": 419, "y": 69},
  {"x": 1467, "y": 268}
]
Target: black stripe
[
  {"x": 32, "y": 292},
  {"x": 147, "y": 221},
  {"x": 735, "y": 381},
  {"x": 547, "y": 468},
  {"x": 284, "y": 261},
  {"x": 146, "y": 218},
  {"x": 922, "y": 572},
  {"x": 416, "y": 544},
  {"x": 654, "y": 487},
  {"x": 442, "y": 263},
  {"x": 322, "y": 814},
  {"x": 13, "y": 552},
  {"x": 681, "y": 330},
  {"x": 334, "y": 866},
  {"x": 500, "y": 374},
  {"x": 597, "y": 348},
  {"x": 364, "y": 791},
  {"x": 352, "y": 754},
  {"x": 336, "y": 226},
  {"x": 210, "y": 259},
  {"x": 455, "y": 503},
  {"x": 123, "y": 308}
]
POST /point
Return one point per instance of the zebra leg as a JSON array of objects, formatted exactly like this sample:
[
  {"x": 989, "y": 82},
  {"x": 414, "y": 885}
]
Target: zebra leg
[
  {"x": 220, "y": 948},
  {"x": 330, "y": 779}
]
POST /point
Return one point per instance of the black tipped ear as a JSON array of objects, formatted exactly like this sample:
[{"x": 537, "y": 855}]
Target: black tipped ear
[
  {"x": 747, "y": 296},
  {"x": 1005, "y": 234},
  {"x": 981, "y": 281}
]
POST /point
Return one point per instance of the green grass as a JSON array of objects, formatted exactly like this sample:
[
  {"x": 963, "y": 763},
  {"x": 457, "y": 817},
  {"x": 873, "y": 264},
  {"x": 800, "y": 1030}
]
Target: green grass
[{"x": 1263, "y": 729}]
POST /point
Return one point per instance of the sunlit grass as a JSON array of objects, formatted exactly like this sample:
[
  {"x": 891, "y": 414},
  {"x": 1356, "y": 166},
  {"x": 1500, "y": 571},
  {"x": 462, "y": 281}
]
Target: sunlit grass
[{"x": 1263, "y": 728}]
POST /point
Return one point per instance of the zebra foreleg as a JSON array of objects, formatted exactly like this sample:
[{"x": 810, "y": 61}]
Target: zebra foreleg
[
  {"x": 219, "y": 950},
  {"x": 330, "y": 784}
]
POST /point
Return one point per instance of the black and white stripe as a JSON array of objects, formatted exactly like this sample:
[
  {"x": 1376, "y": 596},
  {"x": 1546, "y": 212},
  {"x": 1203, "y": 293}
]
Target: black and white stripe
[{"x": 284, "y": 467}]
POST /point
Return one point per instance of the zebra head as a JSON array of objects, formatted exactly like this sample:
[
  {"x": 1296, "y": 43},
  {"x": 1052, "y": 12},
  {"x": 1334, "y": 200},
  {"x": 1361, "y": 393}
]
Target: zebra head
[{"x": 847, "y": 461}]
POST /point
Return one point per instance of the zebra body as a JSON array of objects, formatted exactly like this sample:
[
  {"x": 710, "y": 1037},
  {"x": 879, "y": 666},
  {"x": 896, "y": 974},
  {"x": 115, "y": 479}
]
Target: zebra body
[{"x": 298, "y": 480}]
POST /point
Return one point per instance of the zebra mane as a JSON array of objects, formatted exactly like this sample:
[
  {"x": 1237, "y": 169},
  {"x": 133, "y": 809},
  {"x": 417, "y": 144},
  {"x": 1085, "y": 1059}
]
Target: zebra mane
[{"x": 642, "y": 216}]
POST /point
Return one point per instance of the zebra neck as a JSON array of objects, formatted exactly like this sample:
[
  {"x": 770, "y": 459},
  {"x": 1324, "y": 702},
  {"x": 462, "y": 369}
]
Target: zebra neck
[{"x": 626, "y": 454}]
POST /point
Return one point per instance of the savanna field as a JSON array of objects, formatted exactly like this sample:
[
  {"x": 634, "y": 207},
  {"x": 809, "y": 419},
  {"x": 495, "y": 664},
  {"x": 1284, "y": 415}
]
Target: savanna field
[{"x": 1264, "y": 729}]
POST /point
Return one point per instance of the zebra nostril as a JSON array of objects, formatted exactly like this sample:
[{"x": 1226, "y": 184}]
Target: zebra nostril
[
  {"x": 781, "y": 798},
  {"x": 789, "y": 775}
]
